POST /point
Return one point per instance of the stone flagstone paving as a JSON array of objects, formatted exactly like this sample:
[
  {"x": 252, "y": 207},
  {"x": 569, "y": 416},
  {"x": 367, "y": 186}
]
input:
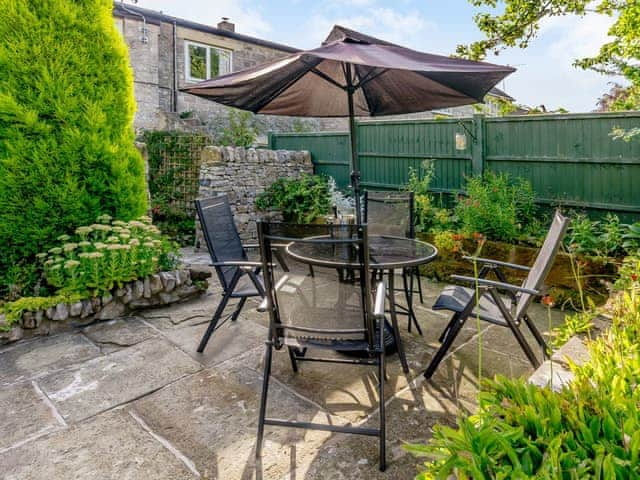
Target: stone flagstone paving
[{"x": 132, "y": 399}]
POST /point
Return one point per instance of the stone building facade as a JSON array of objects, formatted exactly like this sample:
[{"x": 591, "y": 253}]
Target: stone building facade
[{"x": 160, "y": 49}]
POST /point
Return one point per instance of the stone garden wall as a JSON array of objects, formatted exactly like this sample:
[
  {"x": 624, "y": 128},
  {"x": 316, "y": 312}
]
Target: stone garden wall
[
  {"x": 159, "y": 289},
  {"x": 243, "y": 174}
]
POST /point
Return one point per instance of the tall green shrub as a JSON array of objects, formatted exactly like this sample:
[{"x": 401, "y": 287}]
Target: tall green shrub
[{"x": 66, "y": 139}]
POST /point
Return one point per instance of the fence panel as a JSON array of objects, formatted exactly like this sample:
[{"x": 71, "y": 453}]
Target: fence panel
[
  {"x": 570, "y": 159},
  {"x": 330, "y": 151},
  {"x": 387, "y": 149}
]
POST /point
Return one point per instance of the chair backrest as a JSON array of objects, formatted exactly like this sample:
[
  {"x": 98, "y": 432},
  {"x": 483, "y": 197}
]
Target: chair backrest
[
  {"x": 221, "y": 235},
  {"x": 331, "y": 306},
  {"x": 544, "y": 261},
  {"x": 389, "y": 213}
]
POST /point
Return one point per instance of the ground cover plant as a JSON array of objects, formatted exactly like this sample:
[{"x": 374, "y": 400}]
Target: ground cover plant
[
  {"x": 95, "y": 259},
  {"x": 301, "y": 200},
  {"x": 589, "y": 429},
  {"x": 66, "y": 139}
]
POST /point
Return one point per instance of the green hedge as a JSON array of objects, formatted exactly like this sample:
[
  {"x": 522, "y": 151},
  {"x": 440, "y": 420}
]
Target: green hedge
[{"x": 67, "y": 149}]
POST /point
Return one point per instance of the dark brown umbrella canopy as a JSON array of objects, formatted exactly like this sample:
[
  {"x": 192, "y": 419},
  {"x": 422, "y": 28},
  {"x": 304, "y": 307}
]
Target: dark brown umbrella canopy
[{"x": 387, "y": 79}]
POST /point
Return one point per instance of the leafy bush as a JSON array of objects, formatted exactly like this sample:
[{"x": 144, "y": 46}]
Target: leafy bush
[
  {"x": 301, "y": 200},
  {"x": 240, "y": 132},
  {"x": 496, "y": 207},
  {"x": 601, "y": 238},
  {"x": 107, "y": 254},
  {"x": 589, "y": 429},
  {"x": 174, "y": 188},
  {"x": 419, "y": 183},
  {"x": 67, "y": 149}
]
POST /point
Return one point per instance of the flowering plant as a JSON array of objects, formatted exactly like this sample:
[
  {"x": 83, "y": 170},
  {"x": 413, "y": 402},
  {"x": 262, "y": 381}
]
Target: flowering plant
[{"x": 105, "y": 254}]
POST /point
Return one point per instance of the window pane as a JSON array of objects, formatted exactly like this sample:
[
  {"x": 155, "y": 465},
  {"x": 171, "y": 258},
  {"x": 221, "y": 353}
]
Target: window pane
[
  {"x": 225, "y": 62},
  {"x": 198, "y": 62},
  {"x": 215, "y": 63}
]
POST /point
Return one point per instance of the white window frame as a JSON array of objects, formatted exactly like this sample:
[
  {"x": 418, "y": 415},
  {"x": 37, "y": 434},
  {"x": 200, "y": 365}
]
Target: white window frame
[{"x": 208, "y": 48}]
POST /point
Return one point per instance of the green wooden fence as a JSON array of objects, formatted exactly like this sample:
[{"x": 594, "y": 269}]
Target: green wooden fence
[{"x": 570, "y": 159}]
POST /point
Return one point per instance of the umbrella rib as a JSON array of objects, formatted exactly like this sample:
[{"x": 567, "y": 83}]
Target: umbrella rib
[
  {"x": 367, "y": 78},
  {"x": 278, "y": 91},
  {"x": 323, "y": 75}
]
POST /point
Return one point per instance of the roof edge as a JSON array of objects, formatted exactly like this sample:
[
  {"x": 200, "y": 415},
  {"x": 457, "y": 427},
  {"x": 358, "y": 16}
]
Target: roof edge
[{"x": 155, "y": 17}]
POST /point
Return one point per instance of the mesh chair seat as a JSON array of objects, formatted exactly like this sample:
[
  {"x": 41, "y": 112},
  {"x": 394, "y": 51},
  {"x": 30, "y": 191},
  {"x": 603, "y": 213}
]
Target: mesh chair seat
[
  {"x": 455, "y": 298},
  {"x": 246, "y": 288}
]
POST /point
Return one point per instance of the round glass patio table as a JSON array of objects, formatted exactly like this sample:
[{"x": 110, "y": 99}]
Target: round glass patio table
[{"x": 386, "y": 254}]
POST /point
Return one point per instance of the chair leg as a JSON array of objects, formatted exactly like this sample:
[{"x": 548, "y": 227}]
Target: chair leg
[
  {"x": 452, "y": 330},
  {"x": 394, "y": 323},
  {"x": 292, "y": 357},
  {"x": 407, "y": 280},
  {"x": 417, "y": 273},
  {"x": 381, "y": 379},
  {"x": 213, "y": 323},
  {"x": 538, "y": 336},
  {"x": 263, "y": 398},
  {"x": 238, "y": 309}
]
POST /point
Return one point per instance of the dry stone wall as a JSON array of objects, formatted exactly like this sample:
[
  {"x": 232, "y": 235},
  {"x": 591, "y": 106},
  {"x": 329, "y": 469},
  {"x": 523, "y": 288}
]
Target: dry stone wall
[
  {"x": 163, "y": 288},
  {"x": 243, "y": 174}
]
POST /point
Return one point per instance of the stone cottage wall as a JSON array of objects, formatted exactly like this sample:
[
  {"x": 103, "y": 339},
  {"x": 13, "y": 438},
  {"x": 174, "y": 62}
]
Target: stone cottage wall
[{"x": 243, "y": 174}]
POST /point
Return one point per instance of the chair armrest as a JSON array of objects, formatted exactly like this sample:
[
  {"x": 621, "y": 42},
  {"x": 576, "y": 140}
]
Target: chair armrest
[
  {"x": 264, "y": 304},
  {"x": 484, "y": 283},
  {"x": 242, "y": 264},
  {"x": 378, "y": 308},
  {"x": 497, "y": 263}
]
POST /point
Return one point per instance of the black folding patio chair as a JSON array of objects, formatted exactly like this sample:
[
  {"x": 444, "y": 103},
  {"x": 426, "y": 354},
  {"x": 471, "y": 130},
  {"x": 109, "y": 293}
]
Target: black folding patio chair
[
  {"x": 239, "y": 277},
  {"x": 320, "y": 313},
  {"x": 510, "y": 312},
  {"x": 393, "y": 213}
]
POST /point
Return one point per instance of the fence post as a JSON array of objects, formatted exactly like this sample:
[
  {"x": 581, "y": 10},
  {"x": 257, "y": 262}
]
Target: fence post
[{"x": 477, "y": 144}]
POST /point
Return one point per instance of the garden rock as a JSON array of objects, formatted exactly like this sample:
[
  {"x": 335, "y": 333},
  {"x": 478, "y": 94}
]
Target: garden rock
[
  {"x": 111, "y": 310},
  {"x": 168, "y": 280},
  {"x": 138, "y": 289},
  {"x": 146, "y": 288},
  {"x": 87, "y": 308},
  {"x": 61, "y": 312},
  {"x": 155, "y": 283},
  {"x": 106, "y": 298},
  {"x": 76, "y": 309}
]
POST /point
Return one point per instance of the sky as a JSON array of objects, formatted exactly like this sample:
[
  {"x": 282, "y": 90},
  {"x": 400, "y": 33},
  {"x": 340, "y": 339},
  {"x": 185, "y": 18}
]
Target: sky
[{"x": 544, "y": 75}]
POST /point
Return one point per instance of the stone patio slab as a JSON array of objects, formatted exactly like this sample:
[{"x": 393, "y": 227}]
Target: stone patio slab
[
  {"x": 231, "y": 340},
  {"x": 117, "y": 334},
  {"x": 212, "y": 418},
  {"x": 410, "y": 418},
  {"x": 37, "y": 358},
  {"x": 110, "y": 446},
  {"x": 25, "y": 415},
  {"x": 113, "y": 379}
]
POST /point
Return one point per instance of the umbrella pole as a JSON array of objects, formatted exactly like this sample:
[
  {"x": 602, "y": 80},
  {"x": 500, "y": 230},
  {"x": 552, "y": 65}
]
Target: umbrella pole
[{"x": 355, "y": 168}]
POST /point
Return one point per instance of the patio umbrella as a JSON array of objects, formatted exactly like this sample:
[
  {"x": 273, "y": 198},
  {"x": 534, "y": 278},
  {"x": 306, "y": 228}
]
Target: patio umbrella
[{"x": 354, "y": 75}]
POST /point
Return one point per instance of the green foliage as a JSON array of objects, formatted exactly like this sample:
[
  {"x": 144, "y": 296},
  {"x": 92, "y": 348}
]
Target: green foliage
[
  {"x": 240, "y": 132},
  {"x": 419, "y": 183},
  {"x": 575, "y": 324},
  {"x": 520, "y": 20},
  {"x": 13, "y": 310},
  {"x": 174, "y": 187},
  {"x": 589, "y": 429},
  {"x": 496, "y": 207},
  {"x": 301, "y": 200},
  {"x": 67, "y": 149},
  {"x": 602, "y": 238},
  {"x": 107, "y": 254}
]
